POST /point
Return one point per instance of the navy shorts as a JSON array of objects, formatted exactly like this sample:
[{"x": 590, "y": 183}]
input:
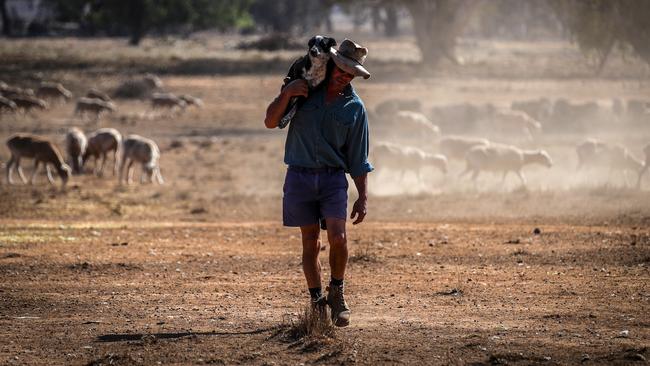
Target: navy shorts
[{"x": 311, "y": 195}]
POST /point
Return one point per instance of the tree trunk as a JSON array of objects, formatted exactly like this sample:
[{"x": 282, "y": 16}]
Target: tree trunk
[
  {"x": 391, "y": 25},
  {"x": 138, "y": 12},
  {"x": 437, "y": 24},
  {"x": 6, "y": 21}
]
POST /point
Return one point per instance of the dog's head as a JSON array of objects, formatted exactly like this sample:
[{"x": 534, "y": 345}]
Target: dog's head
[{"x": 319, "y": 46}]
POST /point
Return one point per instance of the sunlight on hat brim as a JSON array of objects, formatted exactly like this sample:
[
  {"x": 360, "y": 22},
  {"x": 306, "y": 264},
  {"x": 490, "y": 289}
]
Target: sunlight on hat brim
[{"x": 349, "y": 65}]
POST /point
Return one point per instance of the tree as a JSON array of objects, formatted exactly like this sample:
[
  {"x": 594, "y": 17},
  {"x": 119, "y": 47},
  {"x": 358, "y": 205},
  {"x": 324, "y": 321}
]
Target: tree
[
  {"x": 136, "y": 18},
  {"x": 6, "y": 21},
  {"x": 437, "y": 25},
  {"x": 599, "y": 26}
]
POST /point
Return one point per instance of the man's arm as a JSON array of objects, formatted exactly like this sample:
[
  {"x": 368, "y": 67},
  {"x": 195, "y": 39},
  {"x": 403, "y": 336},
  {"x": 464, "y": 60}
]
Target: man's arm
[
  {"x": 359, "y": 209},
  {"x": 276, "y": 109}
]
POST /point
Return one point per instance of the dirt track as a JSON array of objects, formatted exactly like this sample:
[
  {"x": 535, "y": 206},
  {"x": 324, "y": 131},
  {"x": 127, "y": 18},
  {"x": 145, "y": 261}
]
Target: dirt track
[{"x": 147, "y": 292}]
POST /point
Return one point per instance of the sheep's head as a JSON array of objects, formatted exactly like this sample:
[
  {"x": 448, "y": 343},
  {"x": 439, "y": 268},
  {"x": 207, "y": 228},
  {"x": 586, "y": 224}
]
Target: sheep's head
[
  {"x": 439, "y": 161},
  {"x": 544, "y": 158},
  {"x": 64, "y": 172}
]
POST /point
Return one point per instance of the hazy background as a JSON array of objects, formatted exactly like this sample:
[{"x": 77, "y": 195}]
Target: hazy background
[{"x": 582, "y": 65}]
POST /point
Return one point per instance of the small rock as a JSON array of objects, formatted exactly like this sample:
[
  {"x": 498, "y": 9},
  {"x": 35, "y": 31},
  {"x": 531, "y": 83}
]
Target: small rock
[
  {"x": 624, "y": 334},
  {"x": 585, "y": 358},
  {"x": 537, "y": 231}
]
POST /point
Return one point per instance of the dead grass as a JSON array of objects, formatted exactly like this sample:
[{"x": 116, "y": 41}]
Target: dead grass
[{"x": 310, "y": 327}]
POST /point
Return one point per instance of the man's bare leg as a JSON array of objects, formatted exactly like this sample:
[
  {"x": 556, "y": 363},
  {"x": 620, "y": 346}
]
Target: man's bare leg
[
  {"x": 310, "y": 250},
  {"x": 338, "y": 260}
]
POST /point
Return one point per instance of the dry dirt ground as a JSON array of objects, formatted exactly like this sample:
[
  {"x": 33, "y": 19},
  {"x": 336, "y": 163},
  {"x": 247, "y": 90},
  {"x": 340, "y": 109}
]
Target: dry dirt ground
[{"x": 200, "y": 270}]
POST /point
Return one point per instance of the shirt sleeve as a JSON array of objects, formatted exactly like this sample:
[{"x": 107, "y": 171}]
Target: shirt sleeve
[{"x": 357, "y": 145}]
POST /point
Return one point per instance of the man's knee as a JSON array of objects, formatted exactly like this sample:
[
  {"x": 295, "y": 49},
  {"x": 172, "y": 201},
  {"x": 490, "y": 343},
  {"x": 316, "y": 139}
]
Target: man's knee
[{"x": 338, "y": 239}]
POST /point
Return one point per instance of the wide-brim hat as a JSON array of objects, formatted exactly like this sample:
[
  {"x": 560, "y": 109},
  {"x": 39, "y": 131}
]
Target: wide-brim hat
[{"x": 350, "y": 57}]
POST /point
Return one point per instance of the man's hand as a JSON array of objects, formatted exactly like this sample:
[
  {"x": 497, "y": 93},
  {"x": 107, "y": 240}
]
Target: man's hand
[
  {"x": 296, "y": 88},
  {"x": 359, "y": 210}
]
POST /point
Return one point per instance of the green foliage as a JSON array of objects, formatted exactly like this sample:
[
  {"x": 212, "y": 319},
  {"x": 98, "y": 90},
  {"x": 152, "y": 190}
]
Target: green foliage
[
  {"x": 137, "y": 17},
  {"x": 599, "y": 25}
]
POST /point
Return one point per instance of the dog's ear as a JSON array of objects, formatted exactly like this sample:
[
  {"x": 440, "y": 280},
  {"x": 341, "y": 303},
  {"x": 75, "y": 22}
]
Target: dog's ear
[
  {"x": 330, "y": 42},
  {"x": 311, "y": 42}
]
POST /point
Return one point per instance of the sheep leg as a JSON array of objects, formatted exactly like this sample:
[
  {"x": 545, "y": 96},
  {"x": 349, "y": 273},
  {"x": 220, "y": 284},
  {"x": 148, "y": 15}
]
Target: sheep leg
[
  {"x": 121, "y": 177},
  {"x": 19, "y": 169},
  {"x": 503, "y": 178},
  {"x": 638, "y": 181},
  {"x": 129, "y": 172},
  {"x": 101, "y": 167},
  {"x": 159, "y": 176},
  {"x": 521, "y": 176},
  {"x": 626, "y": 181},
  {"x": 114, "y": 162},
  {"x": 10, "y": 164},
  {"x": 464, "y": 172},
  {"x": 49, "y": 174},
  {"x": 32, "y": 180}
]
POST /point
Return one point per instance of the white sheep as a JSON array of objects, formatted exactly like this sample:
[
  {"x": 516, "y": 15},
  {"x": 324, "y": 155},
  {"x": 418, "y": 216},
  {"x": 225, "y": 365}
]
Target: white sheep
[
  {"x": 515, "y": 123},
  {"x": 100, "y": 143},
  {"x": 139, "y": 149},
  {"x": 7, "y": 104},
  {"x": 415, "y": 126},
  {"x": 646, "y": 164},
  {"x": 191, "y": 100},
  {"x": 76, "y": 144},
  {"x": 54, "y": 91},
  {"x": 39, "y": 149},
  {"x": 456, "y": 147},
  {"x": 98, "y": 94},
  {"x": 27, "y": 103},
  {"x": 93, "y": 106},
  {"x": 406, "y": 158},
  {"x": 617, "y": 158},
  {"x": 503, "y": 158},
  {"x": 167, "y": 101}
]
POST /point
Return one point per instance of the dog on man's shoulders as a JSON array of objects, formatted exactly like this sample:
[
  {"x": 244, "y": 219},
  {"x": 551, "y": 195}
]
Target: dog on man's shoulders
[{"x": 311, "y": 67}]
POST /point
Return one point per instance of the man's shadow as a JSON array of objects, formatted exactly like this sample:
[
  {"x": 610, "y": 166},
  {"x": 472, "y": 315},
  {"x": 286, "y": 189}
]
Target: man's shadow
[{"x": 143, "y": 336}]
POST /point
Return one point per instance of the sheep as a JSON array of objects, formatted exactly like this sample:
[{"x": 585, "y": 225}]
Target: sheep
[
  {"x": 27, "y": 103},
  {"x": 94, "y": 106},
  {"x": 515, "y": 123},
  {"x": 10, "y": 92},
  {"x": 461, "y": 118},
  {"x": 539, "y": 109},
  {"x": 191, "y": 100},
  {"x": 7, "y": 104},
  {"x": 139, "y": 88},
  {"x": 503, "y": 158},
  {"x": 98, "y": 94},
  {"x": 54, "y": 91},
  {"x": 42, "y": 151},
  {"x": 136, "y": 148},
  {"x": 456, "y": 147},
  {"x": 100, "y": 143},
  {"x": 590, "y": 153},
  {"x": 405, "y": 158},
  {"x": 414, "y": 124},
  {"x": 76, "y": 144},
  {"x": 621, "y": 159},
  {"x": 167, "y": 100},
  {"x": 617, "y": 158},
  {"x": 646, "y": 165},
  {"x": 390, "y": 107}
]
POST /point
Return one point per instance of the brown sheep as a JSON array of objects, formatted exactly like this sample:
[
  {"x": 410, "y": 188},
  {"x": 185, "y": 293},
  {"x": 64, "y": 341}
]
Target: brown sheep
[{"x": 39, "y": 149}]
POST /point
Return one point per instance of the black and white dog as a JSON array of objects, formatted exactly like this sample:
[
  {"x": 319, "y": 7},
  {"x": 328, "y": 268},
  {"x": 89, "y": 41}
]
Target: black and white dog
[{"x": 311, "y": 67}]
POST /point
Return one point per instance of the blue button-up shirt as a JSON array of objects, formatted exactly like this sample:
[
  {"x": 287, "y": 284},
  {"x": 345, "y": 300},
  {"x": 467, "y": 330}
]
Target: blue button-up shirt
[{"x": 330, "y": 135}]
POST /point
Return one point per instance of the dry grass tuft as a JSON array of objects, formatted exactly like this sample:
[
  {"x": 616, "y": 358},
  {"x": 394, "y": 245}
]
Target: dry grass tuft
[{"x": 310, "y": 328}]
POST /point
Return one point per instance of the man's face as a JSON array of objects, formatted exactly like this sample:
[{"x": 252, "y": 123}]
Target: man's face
[{"x": 341, "y": 78}]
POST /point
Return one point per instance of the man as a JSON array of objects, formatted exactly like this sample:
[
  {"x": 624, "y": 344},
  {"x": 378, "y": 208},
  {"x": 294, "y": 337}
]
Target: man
[{"x": 327, "y": 138}]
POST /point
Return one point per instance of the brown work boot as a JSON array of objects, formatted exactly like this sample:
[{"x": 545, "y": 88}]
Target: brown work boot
[{"x": 339, "y": 308}]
